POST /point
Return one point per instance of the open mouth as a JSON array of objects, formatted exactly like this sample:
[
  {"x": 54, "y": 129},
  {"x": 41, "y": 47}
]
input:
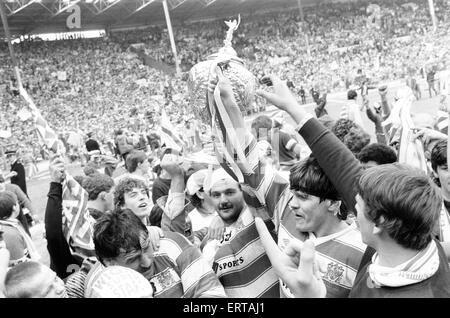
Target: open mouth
[{"x": 142, "y": 205}]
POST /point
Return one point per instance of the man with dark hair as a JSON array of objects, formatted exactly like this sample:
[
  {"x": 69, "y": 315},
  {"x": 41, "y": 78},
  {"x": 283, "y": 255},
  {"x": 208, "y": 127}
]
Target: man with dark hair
[
  {"x": 33, "y": 280},
  {"x": 137, "y": 165},
  {"x": 177, "y": 269},
  {"x": 376, "y": 154},
  {"x": 133, "y": 194},
  {"x": 316, "y": 213}
]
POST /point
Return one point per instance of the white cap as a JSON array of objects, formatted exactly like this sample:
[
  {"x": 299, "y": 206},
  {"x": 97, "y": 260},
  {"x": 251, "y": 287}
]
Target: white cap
[
  {"x": 196, "y": 181},
  {"x": 119, "y": 282},
  {"x": 217, "y": 175}
]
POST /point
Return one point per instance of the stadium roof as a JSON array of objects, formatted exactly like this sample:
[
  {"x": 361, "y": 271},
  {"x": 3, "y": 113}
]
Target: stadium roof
[{"x": 42, "y": 16}]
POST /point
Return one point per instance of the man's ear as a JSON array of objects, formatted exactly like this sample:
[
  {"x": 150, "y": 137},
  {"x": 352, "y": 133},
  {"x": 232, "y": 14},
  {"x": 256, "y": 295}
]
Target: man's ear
[
  {"x": 102, "y": 195},
  {"x": 334, "y": 206},
  {"x": 377, "y": 230},
  {"x": 200, "y": 194},
  {"x": 108, "y": 262},
  {"x": 435, "y": 174}
]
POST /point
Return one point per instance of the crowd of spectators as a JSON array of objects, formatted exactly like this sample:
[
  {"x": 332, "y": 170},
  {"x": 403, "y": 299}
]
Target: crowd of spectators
[{"x": 79, "y": 84}]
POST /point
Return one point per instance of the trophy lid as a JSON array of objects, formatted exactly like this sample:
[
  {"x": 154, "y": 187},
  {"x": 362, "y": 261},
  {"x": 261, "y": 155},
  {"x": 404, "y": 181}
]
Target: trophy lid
[{"x": 227, "y": 51}]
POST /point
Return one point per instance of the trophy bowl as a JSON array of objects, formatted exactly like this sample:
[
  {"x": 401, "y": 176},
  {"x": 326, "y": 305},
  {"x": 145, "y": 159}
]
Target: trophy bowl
[{"x": 242, "y": 80}]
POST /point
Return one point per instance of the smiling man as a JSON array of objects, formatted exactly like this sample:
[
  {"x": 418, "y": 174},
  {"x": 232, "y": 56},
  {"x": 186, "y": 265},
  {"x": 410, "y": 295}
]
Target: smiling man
[
  {"x": 317, "y": 215},
  {"x": 177, "y": 269}
]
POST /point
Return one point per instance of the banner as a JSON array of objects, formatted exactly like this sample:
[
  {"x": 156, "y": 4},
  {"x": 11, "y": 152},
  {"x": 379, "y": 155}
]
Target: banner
[{"x": 77, "y": 222}]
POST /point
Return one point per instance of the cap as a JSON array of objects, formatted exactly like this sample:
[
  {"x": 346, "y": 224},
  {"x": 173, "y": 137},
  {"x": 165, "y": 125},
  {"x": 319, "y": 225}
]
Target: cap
[
  {"x": 118, "y": 282},
  {"x": 217, "y": 175},
  {"x": 196, "y": 181}
]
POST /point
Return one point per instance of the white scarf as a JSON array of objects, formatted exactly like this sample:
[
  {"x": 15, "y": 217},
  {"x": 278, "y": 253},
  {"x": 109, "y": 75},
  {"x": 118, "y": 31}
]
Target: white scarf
[{"x": 419, "y": 268}]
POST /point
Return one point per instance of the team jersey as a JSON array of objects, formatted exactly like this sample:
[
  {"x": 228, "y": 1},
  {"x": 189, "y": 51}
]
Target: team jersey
[
  {"x": 240, "y": 261},
  {"x": 178, "y": 271},
  {"x": 338, "y": 257}
]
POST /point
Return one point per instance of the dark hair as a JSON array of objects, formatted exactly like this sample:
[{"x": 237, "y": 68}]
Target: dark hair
[
  {"x": 352, "y": 94},
  {"x": 155, "y": 216},
  {"x": 18, "y": 277},
  {"x": 90, "y": 169},
  {"x": 127, "y": 185},
  {"x": 7, "y": 202},
  {"x": 356, "y": 139},
  {"x": 342, "y": 127},
  {"x": 115, "y": 232},
  {"x": 195, "y": 200},
  {"x": 439, "y": 155},
  {"x": 134, "y": 158},
  {"x": 405, "y": 198},
  {"x": 307, "y": 176},
  {"x": 261, "y": 124},
  {"x": 97, "y": 183},
  {"x": 379, "y": 153},
  {"x": 79, "y": 179}
]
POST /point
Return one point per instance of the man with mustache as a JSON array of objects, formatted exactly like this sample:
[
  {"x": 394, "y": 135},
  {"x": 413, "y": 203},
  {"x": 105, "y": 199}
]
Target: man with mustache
[{"x": 235, "y": 252}]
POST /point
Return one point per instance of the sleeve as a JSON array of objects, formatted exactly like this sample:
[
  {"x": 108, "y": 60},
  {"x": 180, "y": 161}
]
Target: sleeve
[
  {"x": 337, "y": 161},
  {"x": 197, "y": 277},
  {"x": 174, "y": 217},
  {"x": 58, "y": 248}
]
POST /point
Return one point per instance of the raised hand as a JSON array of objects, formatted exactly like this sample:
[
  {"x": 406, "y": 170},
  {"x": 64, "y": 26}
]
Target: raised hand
[
  {"x": 296, "y": 266},
  {"x": 216, "y": 229},
  {"x": 57, "y": 170},
  {"x": 281, "y": 97},
  {"x": 170, "y": 163},
  {"x": 154, "y": 235}
]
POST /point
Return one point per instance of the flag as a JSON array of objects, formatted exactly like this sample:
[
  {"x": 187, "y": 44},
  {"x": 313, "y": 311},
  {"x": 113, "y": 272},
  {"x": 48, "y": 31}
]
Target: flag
[
  {"x": 77, "y": 221},
  {"x": 410, "y": 149},
  {"x": 46, "y": 134},
  {"x": 169, "y": 135}
]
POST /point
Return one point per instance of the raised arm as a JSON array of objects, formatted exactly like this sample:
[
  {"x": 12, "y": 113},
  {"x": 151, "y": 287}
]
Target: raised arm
[
  {"x": 338, "y": 162},
  {"x": 58, "y": 248}
]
